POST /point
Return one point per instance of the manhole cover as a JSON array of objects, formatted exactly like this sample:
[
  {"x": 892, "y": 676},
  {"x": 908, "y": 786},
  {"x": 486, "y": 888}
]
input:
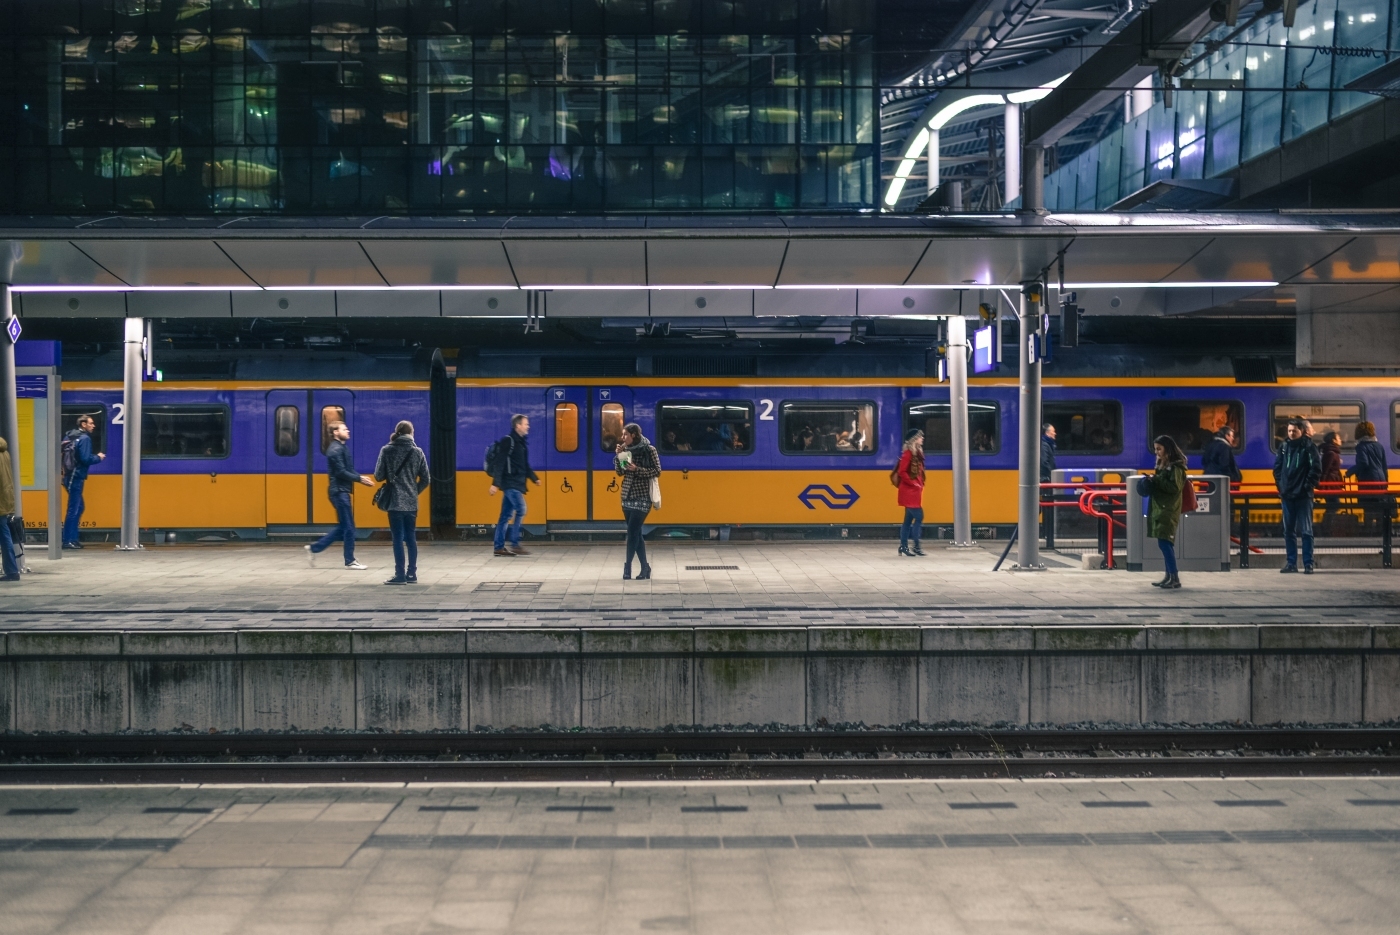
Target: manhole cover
[
  {"x": 524, "y": 587},
  {"x": 712, "y": 568}
]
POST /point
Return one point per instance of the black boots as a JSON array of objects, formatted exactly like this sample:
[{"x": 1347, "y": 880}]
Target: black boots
[
  {"x": 904, "y": 550},
  {"x": 645, "y": 573},
  {"x": 918, "y": 547},
  {"x": 627, "y": 572}
]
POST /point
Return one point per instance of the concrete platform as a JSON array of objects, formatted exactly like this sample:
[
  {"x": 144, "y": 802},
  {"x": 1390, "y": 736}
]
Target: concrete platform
[{"x": 1278, "y": 856}]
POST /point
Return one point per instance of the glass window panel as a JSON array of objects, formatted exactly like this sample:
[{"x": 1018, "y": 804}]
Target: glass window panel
[
  {"x": 173, "y": 432},
  {"x": 1340, "y": 417},
  {"x": 821, "y": 427},
  {"x": 934, "y": 419},
  {"x": 1306, "y": 68},
  {"x": 1194, "y": 423},
  {"x": 1090, "y": 427},
  {"x": 286, "y": 431},
  {"x": 610, "y": 421},
  {"x": 1395, "y": 426},
  {"x": 330, "y": 415},
  {"x": 566, "y": 427},
  {"x": 720, "y": 427},
  {"x": 71, "y": 415}
]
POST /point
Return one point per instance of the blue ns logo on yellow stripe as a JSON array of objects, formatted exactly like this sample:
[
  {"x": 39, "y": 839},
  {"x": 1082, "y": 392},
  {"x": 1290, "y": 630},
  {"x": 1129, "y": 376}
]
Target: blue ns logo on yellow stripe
[{"x": 823, "y": 493}]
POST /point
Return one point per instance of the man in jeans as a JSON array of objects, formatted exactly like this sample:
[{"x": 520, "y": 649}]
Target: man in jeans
[
  {"x": 83, "y": 459},
  {"x": 340, "y": 467},
  {"x": 1297, "y": 469},
  {"x": 512, "y": 470},
  {"x": 9, "y": 568}
]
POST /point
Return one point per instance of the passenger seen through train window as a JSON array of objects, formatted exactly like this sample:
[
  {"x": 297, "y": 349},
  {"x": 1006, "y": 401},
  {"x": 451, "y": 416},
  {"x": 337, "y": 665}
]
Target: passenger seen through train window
[
  {"x": 1193, "y": 423},
  {"x": 706, "y": 427},
  {"x": 934, "y": 420},
  {"x": 1087, "y": 427},
  {"x": 1339, "y": 417},
  {"x": 827, "y": 427}
]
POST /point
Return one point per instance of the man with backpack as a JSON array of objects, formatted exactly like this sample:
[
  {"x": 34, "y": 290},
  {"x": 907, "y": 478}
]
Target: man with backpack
[
  {"x": 9, "y": 567},
  {"x": 78, "y": 457},
  {"x": 508, "y": 463}
]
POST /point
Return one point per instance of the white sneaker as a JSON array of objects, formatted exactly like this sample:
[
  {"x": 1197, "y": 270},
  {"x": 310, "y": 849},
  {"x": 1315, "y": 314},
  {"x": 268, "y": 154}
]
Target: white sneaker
[
  {"x": 310, "y": 556},
  {"x": 356, "y": 566}
]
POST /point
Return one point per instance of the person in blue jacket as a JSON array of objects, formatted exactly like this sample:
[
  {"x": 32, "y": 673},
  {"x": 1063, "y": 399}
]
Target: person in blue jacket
[
  {"x": 83, "y": 458},
  {"x": 1297, "y": 469},
  {"x": 341, "y": 478}
]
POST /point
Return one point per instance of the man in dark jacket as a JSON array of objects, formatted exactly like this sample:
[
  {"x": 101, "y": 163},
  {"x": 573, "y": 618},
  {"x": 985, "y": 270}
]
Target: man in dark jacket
[
  {"x": 83, "y": 460},
  {"x": 342, "y": 477},
  {"x": 9, "y": 568},
  {"x": 1218, "y": 458},
  {"x": 1297, "y": 468},
  {"x": 512, "y": 471},
  {"x": 1047, "y": 452}
]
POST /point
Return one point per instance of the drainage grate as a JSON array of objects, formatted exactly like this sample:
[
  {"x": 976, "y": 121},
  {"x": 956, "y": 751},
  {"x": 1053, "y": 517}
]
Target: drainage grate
[
  {"x": 518, "y": 587},
  {"x": 712, "y": 568}
]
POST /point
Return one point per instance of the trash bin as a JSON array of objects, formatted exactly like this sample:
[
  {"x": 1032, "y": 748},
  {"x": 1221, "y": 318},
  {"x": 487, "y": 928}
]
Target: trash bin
[
  {"x": 1069, "y": 522},
  {"x": 1202, "y": 538}
]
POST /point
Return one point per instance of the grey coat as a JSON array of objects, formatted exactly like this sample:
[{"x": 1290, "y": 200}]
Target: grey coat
[{"x": 404, "y": 466}]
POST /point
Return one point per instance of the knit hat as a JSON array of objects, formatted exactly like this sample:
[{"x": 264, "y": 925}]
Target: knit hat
[{"x": 912, "y": 434}]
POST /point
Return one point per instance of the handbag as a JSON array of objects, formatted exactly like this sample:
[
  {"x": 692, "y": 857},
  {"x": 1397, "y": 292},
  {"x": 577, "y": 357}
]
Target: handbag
[
  {"x": 656, "y": 493},
  {"x": 382, "y": 496}
]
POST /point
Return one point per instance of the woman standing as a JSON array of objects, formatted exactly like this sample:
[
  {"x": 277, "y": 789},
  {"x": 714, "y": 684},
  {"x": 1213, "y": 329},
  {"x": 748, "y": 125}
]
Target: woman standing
[
  {"x": 909, "y": 475},
  {"x": 1331, "y": 453},
  {"x": 404, "y": 470},
  {"x": 1371, "y": 471},
  {"x": 636, "y": 460},
  {"x": 1165, "y": 487}
]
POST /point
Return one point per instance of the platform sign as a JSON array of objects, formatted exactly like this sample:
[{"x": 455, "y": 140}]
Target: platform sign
[{"x": 984, "y": 356}]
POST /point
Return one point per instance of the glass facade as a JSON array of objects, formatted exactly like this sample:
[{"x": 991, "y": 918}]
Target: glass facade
[
  {"x": 437, "y": 106},
  {"x": 1209, "y": 133}
]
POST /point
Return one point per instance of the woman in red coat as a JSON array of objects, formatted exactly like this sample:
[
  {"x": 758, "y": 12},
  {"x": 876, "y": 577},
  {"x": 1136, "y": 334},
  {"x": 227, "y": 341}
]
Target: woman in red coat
[{"x": 909, "y": 475}]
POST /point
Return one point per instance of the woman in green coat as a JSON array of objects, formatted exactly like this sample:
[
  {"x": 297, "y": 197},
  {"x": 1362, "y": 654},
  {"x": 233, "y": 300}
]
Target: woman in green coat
[{"x": 1164, "y": 514}]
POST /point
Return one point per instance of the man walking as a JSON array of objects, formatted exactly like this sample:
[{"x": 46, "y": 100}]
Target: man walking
[
  {"x": 9, "y": 567},
  {"x": 512, "y": 470},
  {"x": 1297, "y": 469},
  {"x": 77, "y": 445},
  {"x": 340, "y": 468},
  {"x": 1047, "y": 452}
]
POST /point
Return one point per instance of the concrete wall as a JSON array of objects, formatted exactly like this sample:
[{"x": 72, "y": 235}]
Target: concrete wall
[{"x": 282, "y": 680}]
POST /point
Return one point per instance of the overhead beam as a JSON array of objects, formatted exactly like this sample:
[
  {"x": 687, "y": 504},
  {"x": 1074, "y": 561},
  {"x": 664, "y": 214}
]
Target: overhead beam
[{"x": 1138, "y": 51}]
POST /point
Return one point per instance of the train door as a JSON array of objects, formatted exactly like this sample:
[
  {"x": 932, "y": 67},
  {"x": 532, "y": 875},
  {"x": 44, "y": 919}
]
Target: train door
[
  {"x": 566, "y": 454},
  {"x": 298, "y": 433},
  {"x": 611, "y": 409},
  {"x": 327, "y": 407}
]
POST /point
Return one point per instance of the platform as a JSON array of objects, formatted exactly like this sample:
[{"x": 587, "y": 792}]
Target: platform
[
  {"x": 796, "y": 583},
  {"x": 1286, "y": 855}
]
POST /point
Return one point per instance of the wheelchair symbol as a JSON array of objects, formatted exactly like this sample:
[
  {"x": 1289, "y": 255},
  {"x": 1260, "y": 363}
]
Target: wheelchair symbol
[
  {"x": 566, "y": 487},
  {"x": 612, "y": 486}
]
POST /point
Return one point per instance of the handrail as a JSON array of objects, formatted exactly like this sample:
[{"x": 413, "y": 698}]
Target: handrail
[{"x": 1086, "y": 506}]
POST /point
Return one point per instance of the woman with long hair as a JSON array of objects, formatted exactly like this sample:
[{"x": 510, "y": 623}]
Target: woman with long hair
[
  {"x": 636, "y": 460},
  {"x": 403, "y": 469},
  {"x": 1166, "y": 486},
  {"x": 909, "y": 476}
]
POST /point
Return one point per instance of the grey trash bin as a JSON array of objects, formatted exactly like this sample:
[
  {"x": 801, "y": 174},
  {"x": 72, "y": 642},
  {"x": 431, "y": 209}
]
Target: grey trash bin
[{"x": 1202, "y": 539}]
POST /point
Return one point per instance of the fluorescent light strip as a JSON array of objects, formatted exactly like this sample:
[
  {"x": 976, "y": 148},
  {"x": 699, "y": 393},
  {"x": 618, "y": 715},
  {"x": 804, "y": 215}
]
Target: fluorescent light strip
[
  {"x": 1249, "y": 284},
  {"x": 1259, "y": 284}
]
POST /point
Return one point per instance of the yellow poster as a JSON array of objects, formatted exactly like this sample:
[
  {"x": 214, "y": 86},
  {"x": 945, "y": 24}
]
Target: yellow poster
[{"x": 27, "y": 443}]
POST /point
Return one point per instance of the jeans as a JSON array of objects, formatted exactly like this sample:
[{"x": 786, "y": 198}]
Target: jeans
[
  {"x": 636, "y": 545},
  {"x": 75, "y": 509},
  {"x": 404, "y": 528},
  {"x": 344, "y": 528},
  {"x": 512, "y": 502},
  {"x": 1168, "y": 555},
  {"x": 913, "y": 527},
  {"x": 1298, "y": 521},
  {"x": 7, "y": 548}
]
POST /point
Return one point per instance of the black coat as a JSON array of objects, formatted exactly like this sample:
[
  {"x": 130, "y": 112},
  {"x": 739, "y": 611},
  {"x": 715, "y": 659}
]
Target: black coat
[
  {"x": 1047, "y": 458},
  {"x": 515, "y": 468},
  {"x": 1219, "y": 459},
  {"x": 1370, "y": 462},
  {"x": 1297, "y": 468},
  {"x": 340, "y": 469}
]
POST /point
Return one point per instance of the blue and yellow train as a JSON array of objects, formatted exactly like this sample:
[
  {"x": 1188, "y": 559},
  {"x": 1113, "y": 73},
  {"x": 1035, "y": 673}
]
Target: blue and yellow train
[{"x": 735, "y": 451}]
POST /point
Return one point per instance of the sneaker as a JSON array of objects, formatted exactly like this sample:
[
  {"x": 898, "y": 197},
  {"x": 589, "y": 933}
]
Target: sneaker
[
  {"x": 397, "y": 580},
  {"x": 411, "y": 579},
  {"x": 1288, "y": 570},
  {"x": 72, "y": 546},
  {"x": 310, "y": 556},
  {"x": 517, "y": 550},
  {"x": 9, "y": 577},
  {"x": 356, "y": 566},
  {"x": 1307, "y": 569},
  {"x": 504, "y": 553}
]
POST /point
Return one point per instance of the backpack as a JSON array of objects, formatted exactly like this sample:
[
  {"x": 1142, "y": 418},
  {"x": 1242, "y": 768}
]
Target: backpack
[
  {"x": 497, "y": 455},
  {"x": 69, "y": 451},
  {"x": 1188, "y": 496}
]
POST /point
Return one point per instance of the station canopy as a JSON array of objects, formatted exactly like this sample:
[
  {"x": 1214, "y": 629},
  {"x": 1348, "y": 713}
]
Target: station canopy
[{"x": 1176, "y": 264}]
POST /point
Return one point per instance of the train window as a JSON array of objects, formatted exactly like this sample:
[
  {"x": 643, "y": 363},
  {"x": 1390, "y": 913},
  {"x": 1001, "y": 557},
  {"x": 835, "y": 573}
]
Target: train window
[
  {"x": 821, "y": 427},
  {"x": 566, "y": 427},
  {"x": 184, "y": 432},
  {"x": 330, "y": 415},
  {"x": 1395, "y": 426},
  {"x": 719, "y": 427},
  {"x": 1085, "y": 427},
  {"x": 286, "y": 431},
  {"x": 1340, "y": 417},
  {"x": 1194, "y": 423},
  {"x": 610, "y": 425},
  {"x": 935, "y": 421},
  {"x": 72, "y": 413}
]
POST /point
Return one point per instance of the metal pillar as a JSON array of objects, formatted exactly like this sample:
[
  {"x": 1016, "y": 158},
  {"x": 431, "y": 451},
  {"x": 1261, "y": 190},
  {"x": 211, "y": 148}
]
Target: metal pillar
[
  {"x": 957, "y": 397},
  {"x": 933, "y": 168},
  {"x": 55, "y": 431},
  {"x": 131, "y": 435},
  {"x": 1028, "y": 516},
  {"x": 1033, "y": 179},
  {"x": 1011, "y": 133},
  {"x": 9, "y": 391}
]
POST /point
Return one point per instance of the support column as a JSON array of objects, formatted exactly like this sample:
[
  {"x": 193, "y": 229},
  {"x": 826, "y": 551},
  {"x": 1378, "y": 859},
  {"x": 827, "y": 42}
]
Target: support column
[
  {"x": 1033, "y": 179},
  {"x": 131, "y": 435},
  {"x": 1011, "y": 133},
  {"x": 933, "y": 168},
  {"x": 1028, "y": 515},
  {"x": 9, "y": 391},
  {"x": 55, "y": 442},
  {"x": 957, "y": 397}
]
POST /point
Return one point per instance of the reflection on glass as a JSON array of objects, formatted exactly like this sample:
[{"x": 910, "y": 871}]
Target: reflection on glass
[
  {"x": 565, "y": 427},
  {"x": 1090, "y": 427},
  {"x": 610, "y": 425},
  {"x": 716, "y": 428},
  {"x": 934, "y": 419},
  {"x": 184, "y": 432},
  {"x": 827, "y": 428},
  {"x": 286, "y": 431},
  {"x": 1339, "y": 417}
]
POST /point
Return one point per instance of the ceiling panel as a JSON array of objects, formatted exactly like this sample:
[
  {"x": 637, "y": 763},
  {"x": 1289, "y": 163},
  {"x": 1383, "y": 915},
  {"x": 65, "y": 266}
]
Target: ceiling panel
[
  {"x": 713, "y": 303},
  {"x": 714, "y": 262},
  {"x": 578, "y": 262},
  {"x": 597, "y": 303},
  {"x": 1374, "y": 258},
  {"x": 441, "y": 262},
  {"x": 1140, "y": 258},
  {"x": 328, "y": 263},
  {"x": 1257, "y": 257},
  {"x": 988, "y": 261},
  {"x": 72, "y": 304},
  {"x": 1350, "y": 297},
  {"x": 165, "y": 262},
  {"x": 834, "y": 303},
  {"x": 274, "y": 303},
  {"x": 56, "y": 263},
  {"x": 375, "y": 303},
  {"x": 179, "y": 305},
  {"x": 850, "y": 262}
]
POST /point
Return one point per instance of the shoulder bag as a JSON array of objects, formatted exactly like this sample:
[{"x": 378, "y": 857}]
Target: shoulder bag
[{"x": 384, "y": 495}]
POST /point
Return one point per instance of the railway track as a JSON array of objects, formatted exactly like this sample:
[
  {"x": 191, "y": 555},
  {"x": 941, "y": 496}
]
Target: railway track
[{"x": 662, "y": 755}]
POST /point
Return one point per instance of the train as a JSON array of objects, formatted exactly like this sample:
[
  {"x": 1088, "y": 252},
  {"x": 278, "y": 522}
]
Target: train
[{"x": 247, "y": 456}]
